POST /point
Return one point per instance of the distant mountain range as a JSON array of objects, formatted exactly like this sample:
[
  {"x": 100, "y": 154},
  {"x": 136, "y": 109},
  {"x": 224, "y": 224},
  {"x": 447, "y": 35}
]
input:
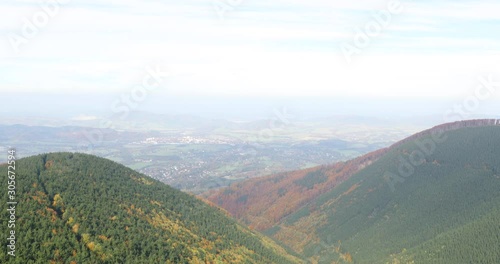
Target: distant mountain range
[
  {"x": 140, "y": 120},
  {"x": 431, "y": 198}
]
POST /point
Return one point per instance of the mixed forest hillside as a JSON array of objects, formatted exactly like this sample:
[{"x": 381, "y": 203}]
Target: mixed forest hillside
[
  {"x": 262, "y": 202},
  {"x": 431, "y": 198},
  {"x": 77, "y": 208}
]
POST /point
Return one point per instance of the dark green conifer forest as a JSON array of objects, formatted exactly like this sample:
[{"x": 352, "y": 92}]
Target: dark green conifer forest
[{"x": 77, "y": 208}]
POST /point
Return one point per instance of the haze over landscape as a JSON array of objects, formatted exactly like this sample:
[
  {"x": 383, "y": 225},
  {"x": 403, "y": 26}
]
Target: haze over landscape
[
  {"x": 250, "y": 131},
  {"x": 277, "y": 49}
]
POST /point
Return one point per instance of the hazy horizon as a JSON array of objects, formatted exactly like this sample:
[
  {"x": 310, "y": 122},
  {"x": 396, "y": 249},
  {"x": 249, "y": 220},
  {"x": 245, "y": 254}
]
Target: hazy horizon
[
  {"x": 369, "y": 58},
  {"x": 240, "y": 108}
]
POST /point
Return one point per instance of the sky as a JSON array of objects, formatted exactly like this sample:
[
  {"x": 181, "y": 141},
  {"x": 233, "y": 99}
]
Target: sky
[{"x": 248, "y": 48}]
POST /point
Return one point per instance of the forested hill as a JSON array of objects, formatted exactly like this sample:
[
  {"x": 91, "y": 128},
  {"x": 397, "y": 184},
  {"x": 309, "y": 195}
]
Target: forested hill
[
  {"x": 77, "y": 208},
  {"x": 432, "y": 198},
  {"x": 263, "y": 202}
]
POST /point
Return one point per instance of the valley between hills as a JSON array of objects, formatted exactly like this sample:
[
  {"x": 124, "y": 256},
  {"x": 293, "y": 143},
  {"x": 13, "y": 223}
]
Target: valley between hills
[{"x": 431, "y": 198}]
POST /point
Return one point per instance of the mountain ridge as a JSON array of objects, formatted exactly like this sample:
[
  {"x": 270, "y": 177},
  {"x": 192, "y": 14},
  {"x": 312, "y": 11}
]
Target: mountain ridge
[
  {"x": 342, "y": 218},
  {"x": 358, "y": 163}
]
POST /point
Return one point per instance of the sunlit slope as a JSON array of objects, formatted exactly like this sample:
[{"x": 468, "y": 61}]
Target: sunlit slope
[
  {"x": 76, "y": 208},
  {"x": 432, "y": 198},
  {"x": 263, "y": 202}
]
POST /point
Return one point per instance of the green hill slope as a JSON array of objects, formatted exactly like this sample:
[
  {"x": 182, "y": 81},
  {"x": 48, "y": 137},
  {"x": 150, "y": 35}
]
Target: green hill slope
[
  {"x": 432, "y": 198},
  {"x": 454, "y": 187},
  {"x": 76, "y": 208}
]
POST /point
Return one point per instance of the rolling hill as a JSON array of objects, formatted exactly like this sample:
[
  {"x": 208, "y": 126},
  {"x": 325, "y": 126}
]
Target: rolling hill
[
  {"x": 77, "y": 208},
  {"x": 431, "y": 198}
]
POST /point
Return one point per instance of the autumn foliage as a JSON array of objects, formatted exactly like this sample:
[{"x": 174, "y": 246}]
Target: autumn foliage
[{"x": 263, "y": 202}]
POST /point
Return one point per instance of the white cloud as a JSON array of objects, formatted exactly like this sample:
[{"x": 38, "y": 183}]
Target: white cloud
[{"x": 279, "y": 48}]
